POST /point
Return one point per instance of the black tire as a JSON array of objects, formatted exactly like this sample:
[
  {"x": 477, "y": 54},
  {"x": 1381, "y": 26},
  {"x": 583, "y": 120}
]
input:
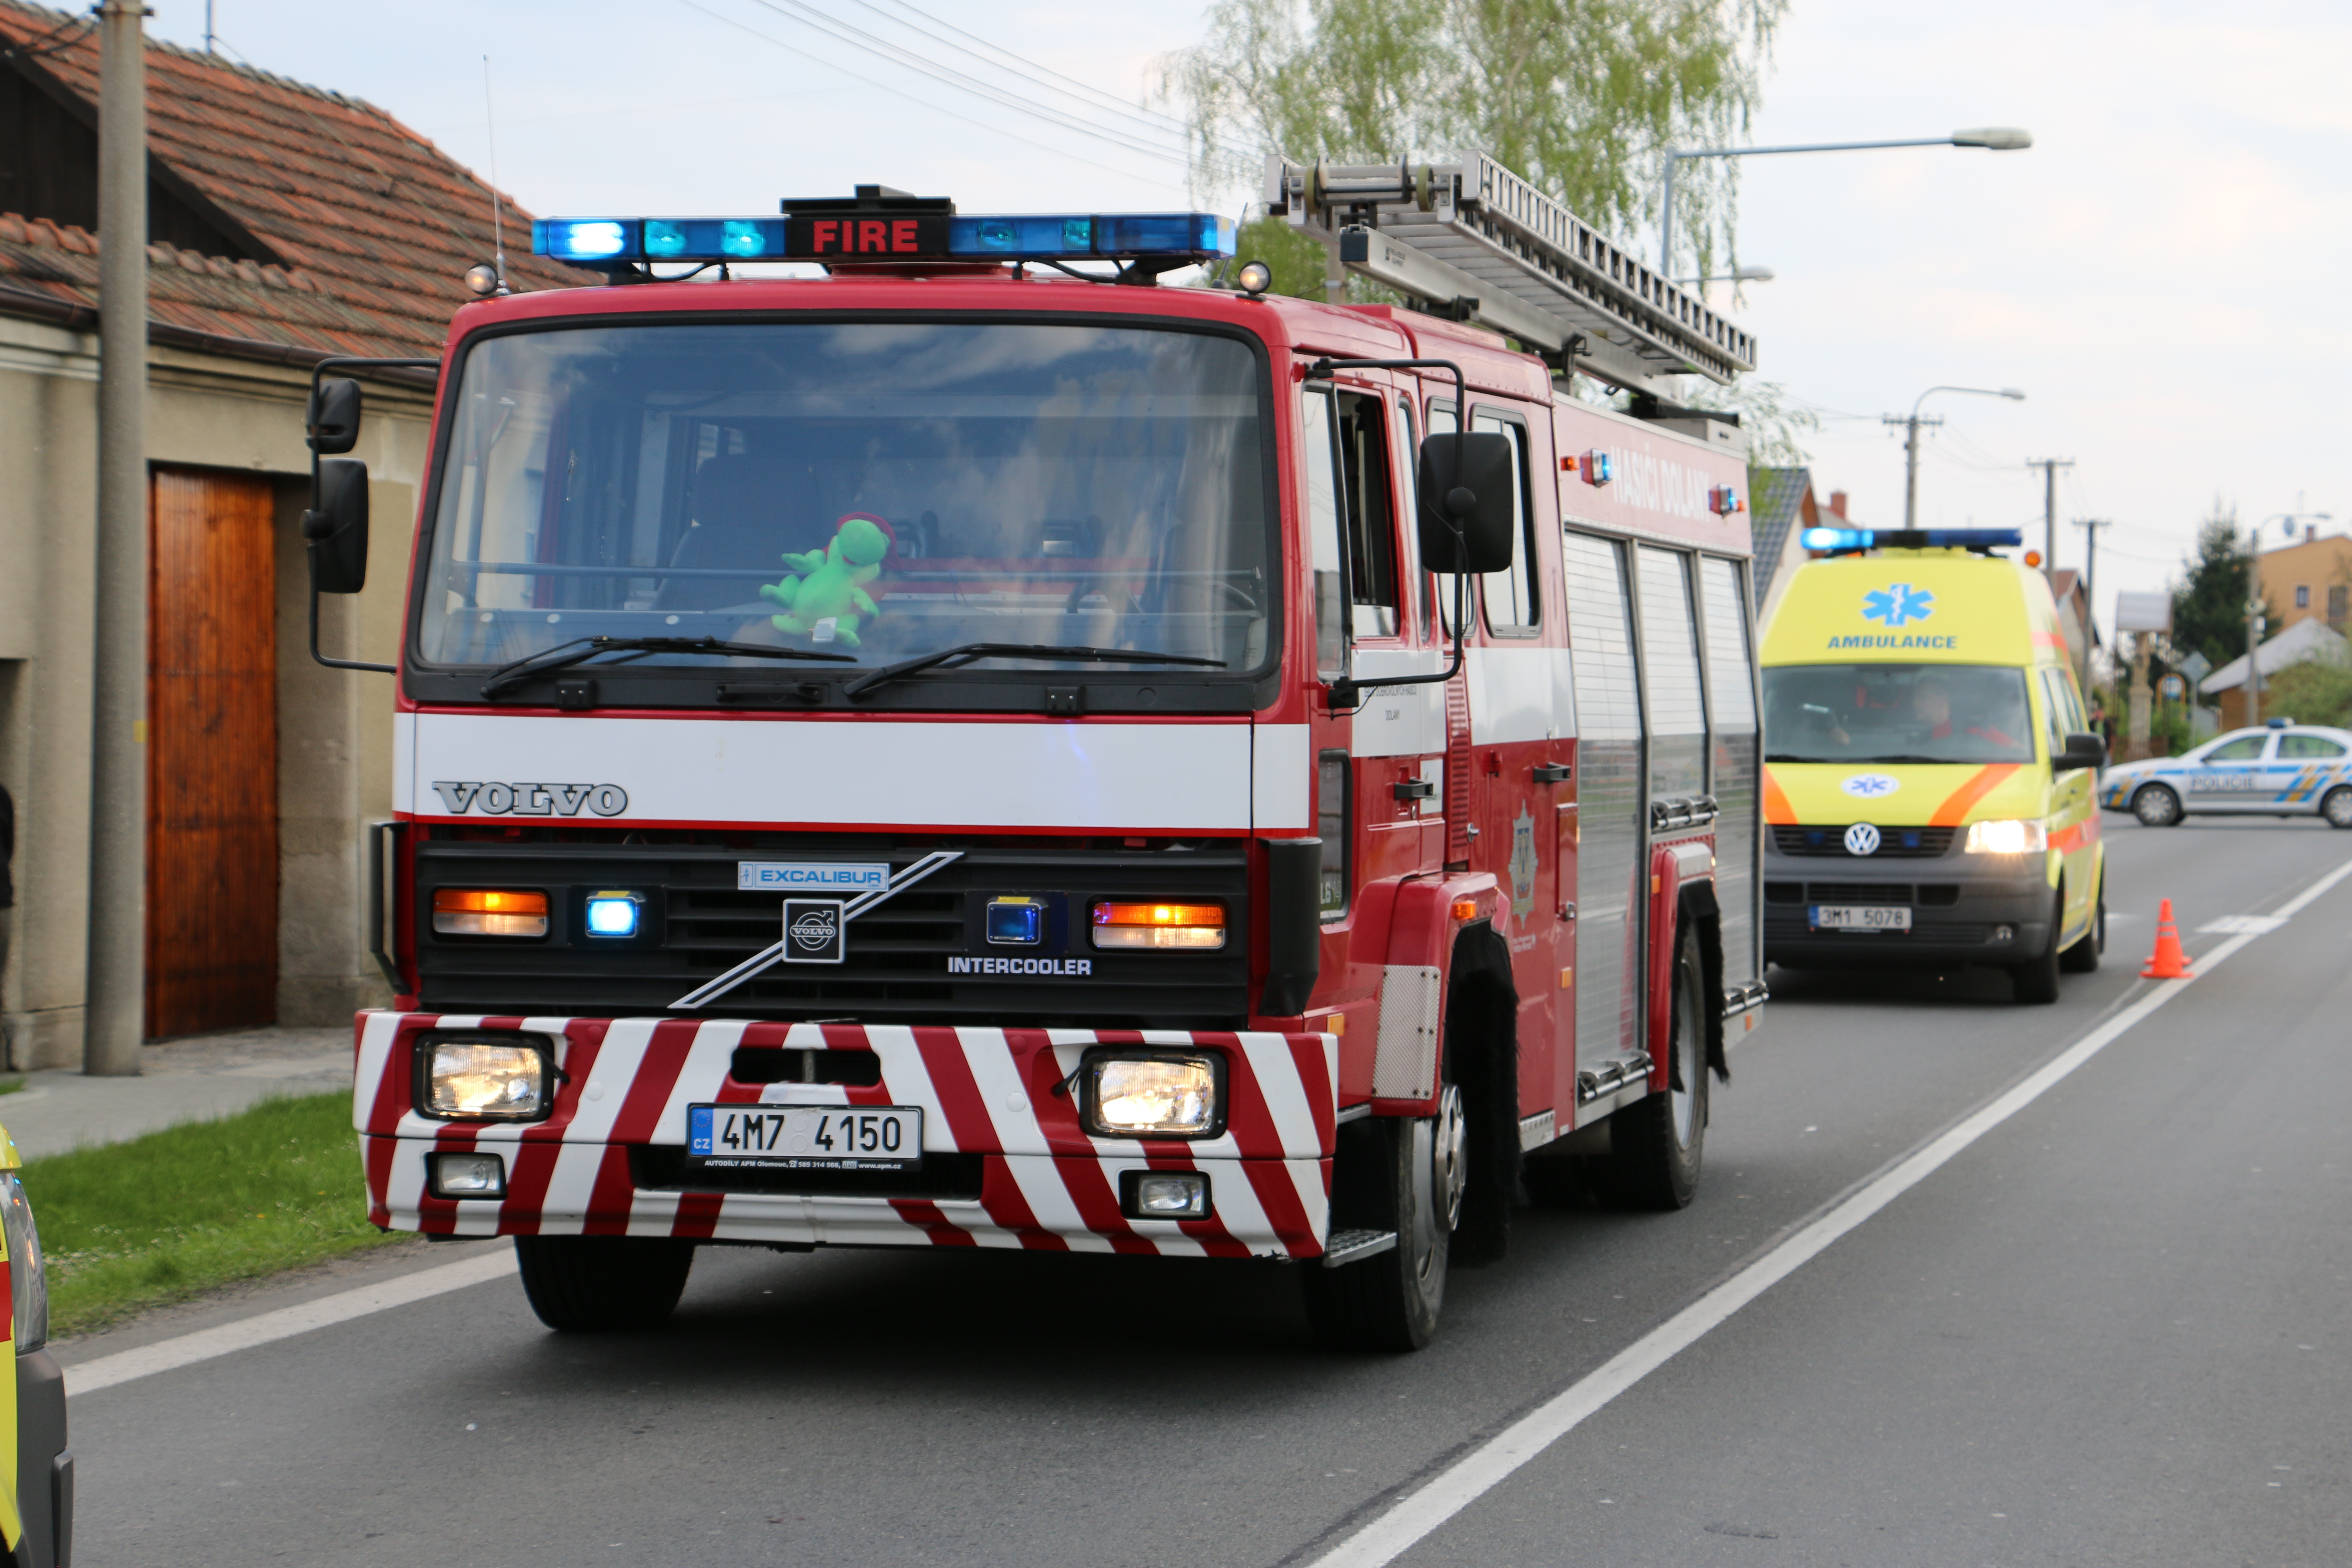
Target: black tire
[
  {"x": 2083, "y": 958},
  {"x": 602, "y": 1284},
  {"x": 2157, "y": 806},
  {"x": 2335, "y": 807},
  {"x": 1388, "y": 1176},
  {"x": 2036, "y": 980},
  {"x": 1657, "y": 1145}
]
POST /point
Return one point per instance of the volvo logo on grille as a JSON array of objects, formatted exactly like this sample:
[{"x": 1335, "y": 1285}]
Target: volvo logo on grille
[
  {"x": 463, "y": 796},
  {"x": 1861, "y": 838},
  {"x": 814, "y": 932}
]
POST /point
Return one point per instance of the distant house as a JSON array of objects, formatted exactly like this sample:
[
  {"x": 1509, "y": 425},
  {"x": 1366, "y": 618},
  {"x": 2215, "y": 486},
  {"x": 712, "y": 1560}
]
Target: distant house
[
  {"x": 2307, "y": 639},
  {"x": 286, "y": 224},
  {"x": 1784, "y": 508},
  {"x": 2310, "y": 580},
  {"x": 2074, "y": 619}
]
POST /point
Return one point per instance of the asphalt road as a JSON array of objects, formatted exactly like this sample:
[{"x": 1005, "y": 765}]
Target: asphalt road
[{"x": 2112, "y": 1331}]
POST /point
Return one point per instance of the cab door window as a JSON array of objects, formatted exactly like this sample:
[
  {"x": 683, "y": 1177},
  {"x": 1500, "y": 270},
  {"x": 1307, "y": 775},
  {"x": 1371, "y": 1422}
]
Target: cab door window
[
  {"x": 1351, "y": 521},
  {"x": 1509, "y": 595}
]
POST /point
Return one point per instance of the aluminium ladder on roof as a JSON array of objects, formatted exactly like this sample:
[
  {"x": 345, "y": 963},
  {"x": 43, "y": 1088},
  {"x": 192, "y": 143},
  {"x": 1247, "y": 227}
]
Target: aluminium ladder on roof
[{"x": 1480, "y": 244}]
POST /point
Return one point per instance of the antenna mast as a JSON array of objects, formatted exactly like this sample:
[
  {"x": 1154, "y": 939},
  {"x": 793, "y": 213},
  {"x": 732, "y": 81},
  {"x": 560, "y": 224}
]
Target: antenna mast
[{"x": 498, "y": 229}]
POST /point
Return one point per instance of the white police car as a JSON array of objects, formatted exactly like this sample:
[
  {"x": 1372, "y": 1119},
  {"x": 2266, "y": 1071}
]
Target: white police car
[{"x": 2285, "y": 769}]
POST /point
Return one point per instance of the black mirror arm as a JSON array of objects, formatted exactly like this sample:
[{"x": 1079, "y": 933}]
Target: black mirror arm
[
  {"x": 1344, "y": 691},
  {"x": 318, "y": 372}
]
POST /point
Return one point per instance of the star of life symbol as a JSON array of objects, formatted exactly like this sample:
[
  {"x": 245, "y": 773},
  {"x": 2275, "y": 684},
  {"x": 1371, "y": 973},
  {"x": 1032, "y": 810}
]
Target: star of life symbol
[
  {"x": 1897, "y": 604},
  {"x": 1523, "y": 864},
  {"x": 1871, "y": 786},
  {"x": 1861, "y": 838}
]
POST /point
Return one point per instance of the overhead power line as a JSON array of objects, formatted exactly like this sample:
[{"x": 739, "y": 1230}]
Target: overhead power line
[
  {"x": 926, "y": 103},
  {"x": 873, "y": 44}
]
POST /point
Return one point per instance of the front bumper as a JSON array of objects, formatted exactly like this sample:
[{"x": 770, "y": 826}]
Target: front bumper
[
  {"x": 1961, "y": 904},
  {"x": 1006, "y": 1161}
]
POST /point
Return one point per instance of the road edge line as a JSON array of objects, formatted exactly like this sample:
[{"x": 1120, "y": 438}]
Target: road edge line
[
  {"x": 226, "y": 1339},
  {"x": 1419, "y": 1512}
]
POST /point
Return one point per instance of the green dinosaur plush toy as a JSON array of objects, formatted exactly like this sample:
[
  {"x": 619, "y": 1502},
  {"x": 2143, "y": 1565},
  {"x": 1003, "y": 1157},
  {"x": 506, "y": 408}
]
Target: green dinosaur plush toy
[{"x": 825, "y": 597}]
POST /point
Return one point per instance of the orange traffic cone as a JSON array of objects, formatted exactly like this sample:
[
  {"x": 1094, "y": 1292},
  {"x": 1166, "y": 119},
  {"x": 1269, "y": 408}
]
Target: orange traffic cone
[{"x": 2167, "y": 962}]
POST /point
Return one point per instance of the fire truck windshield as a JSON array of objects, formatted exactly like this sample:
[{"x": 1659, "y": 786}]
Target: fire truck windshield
[{"x": 885, "y": 490}]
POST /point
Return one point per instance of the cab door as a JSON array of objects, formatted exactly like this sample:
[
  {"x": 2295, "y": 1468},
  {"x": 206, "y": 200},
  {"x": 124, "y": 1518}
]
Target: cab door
[
  {"x": 2074, "y": 820},
  {"x": 2226, "y": 777}
]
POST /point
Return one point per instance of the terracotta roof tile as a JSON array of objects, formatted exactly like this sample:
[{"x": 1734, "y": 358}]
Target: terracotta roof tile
[{"x": 370, "y": 225}]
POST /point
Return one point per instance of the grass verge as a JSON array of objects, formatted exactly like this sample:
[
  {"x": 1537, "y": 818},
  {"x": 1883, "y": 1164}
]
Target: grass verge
[{"x": 177, "y": 1212}]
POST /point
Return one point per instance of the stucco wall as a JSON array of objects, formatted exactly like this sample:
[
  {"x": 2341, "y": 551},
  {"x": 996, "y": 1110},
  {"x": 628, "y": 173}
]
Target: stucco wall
[{"x": 334, "y": 727}]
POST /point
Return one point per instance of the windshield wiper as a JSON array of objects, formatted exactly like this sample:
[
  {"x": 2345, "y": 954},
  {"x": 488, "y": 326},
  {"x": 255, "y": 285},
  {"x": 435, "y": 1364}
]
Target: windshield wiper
[
  {"x": 565, "y": 654},
  {"x": 957, "y": 657}
]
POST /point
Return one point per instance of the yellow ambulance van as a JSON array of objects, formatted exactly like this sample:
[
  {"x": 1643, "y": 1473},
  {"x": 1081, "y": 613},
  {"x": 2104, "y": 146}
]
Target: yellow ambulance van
[{"x": 1930, "y": 771}]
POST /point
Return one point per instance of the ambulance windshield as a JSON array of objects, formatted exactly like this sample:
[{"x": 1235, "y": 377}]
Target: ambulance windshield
[
  {"x": 881, "y": 490},
  {"x": 1897, "y": 713}
]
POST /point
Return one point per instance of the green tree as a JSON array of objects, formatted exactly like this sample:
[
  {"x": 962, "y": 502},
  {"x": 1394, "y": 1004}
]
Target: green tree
[
  {"x": 2313, "y": 689},
  {"x": 1579, "y": 96},
  {"x": 2209, "y": 611}
]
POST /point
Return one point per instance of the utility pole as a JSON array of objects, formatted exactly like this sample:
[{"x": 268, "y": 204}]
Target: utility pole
[
  {"x": 114, "y": 1010},
  {"x": 2050, "y": 466},
  {"x": 1911, "y": 423},
  {"x": 2090, "y": 527}
]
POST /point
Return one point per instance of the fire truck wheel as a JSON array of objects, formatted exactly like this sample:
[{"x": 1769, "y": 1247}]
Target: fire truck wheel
[
  {"x": 592, "y": 1284},
  {"x": 1393, "y": 1173},
  {"x": 1656, "y": 1145}
]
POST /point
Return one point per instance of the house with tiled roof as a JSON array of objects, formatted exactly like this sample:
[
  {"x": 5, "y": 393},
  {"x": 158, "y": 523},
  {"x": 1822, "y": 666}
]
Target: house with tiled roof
[
  {"x": 1785, "y": 506},
  {"x": 287, "y": 223}
]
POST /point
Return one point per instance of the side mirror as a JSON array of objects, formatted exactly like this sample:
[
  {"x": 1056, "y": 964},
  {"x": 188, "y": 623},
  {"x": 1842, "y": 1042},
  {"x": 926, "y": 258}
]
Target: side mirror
[
  {"x": 1479, "y": 501},
  {"x": 332, "y": 423},
  {"x": 2083, "y": 749},
  {"x": 337, "y": 525}
]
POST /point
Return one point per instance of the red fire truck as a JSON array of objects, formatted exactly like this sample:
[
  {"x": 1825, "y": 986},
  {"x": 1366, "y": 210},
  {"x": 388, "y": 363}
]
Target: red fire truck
[{"x": 984, "y": 748}]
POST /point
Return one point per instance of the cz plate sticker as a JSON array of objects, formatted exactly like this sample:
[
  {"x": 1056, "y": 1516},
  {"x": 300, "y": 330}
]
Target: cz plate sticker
[{"x": 804, "y": 1137}]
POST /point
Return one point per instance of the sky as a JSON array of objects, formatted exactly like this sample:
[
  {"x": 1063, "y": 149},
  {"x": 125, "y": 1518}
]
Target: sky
[{"x": 2152, "y": 273}]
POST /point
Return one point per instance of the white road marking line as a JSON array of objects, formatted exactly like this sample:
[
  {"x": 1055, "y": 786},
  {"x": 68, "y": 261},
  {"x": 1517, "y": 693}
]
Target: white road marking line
[
  {"x": 186, "y": 1350},
  {"x": 2241, "y": 925},
  {"x": 1415, "y": 1516}
]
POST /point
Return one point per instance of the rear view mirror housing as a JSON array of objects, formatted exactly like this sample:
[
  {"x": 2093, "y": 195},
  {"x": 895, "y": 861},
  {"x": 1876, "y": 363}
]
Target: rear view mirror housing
[
  {"x": 337, "y": 526},
  {"x": 2083, "y": 749},
  {"x": 1467, "y": 481},
  {"x": 331, "y": 426}
]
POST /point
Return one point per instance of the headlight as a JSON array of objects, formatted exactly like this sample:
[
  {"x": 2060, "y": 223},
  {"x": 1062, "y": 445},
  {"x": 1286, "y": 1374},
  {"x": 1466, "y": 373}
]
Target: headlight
[
  {"x": 28, "y": 1277},
  {"x": 1169, "y": 1095},
  {"x": 479, "y": 1079},
  {"x": 2007, "y": 837},
  {"x": 1194, "y": 926}
]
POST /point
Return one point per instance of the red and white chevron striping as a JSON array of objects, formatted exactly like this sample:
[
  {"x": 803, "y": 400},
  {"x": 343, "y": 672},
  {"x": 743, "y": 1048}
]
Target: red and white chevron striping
[{"x": 1047, "y": 1185}]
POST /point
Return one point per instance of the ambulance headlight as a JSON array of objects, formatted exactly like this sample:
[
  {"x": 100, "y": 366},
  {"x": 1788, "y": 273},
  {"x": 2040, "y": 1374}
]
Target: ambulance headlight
[
  {"x": 484, "y": 1078},
  {"x": 29, "y": 1275},
  {"x": 2007, "y": 836},
  {"x": 1160, "y": 1094}
]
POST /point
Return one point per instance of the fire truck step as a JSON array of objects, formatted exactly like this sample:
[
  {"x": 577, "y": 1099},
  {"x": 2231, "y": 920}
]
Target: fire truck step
[{"x": 1352, "y": 1245}]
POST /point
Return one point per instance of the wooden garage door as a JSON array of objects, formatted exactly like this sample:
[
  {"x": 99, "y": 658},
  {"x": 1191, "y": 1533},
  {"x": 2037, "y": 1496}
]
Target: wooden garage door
[{"x": 211, "y": 755}]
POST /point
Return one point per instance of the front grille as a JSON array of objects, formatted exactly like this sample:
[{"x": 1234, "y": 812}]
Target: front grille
[
  {"x": 1857, "y": 892},
  {"x": 698, "y": 925},
  {"x": 1899, "y": 843}
]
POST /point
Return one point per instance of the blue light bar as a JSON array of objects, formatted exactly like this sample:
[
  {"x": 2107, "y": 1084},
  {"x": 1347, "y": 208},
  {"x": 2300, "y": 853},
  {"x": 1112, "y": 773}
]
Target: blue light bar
[
  {"x": 1104, "y": 236},
  {"x": 1909, "y": 538}
]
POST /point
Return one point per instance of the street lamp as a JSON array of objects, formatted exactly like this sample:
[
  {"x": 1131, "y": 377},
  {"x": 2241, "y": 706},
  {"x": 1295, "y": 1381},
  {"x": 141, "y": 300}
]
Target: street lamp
[
  {"x": 2254, "y": 617},
  {"x": 1998, "y": 138},
  {"x": 1911, "y": 438},
  {"x": 1739, "y": 275}
]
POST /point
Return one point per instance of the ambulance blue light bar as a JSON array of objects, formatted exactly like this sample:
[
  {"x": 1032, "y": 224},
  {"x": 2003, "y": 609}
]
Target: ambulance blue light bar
[
  {"x": 885, "y": 236},
  {"x": 1844, "y": 538}
]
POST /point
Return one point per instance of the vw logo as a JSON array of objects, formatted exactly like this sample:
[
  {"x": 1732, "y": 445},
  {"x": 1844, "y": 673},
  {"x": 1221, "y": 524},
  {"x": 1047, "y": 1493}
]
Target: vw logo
[
  {"x": 1861, "y": 838},
  {"x": 814, "y": 930}
]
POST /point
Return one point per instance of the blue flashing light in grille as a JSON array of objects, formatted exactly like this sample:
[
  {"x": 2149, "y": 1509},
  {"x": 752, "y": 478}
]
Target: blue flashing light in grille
[
  {"x": 1016, "y": 922},
  {"x": 613, "y": 914}
]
